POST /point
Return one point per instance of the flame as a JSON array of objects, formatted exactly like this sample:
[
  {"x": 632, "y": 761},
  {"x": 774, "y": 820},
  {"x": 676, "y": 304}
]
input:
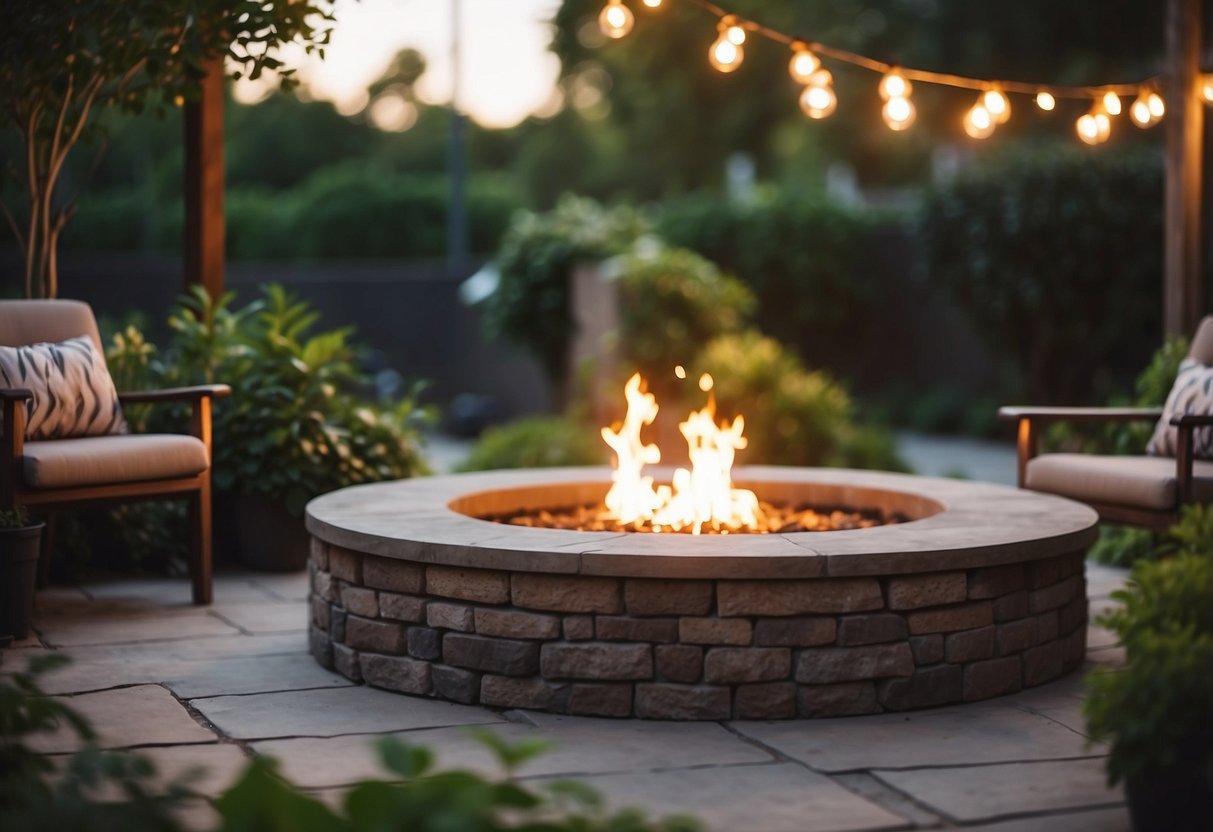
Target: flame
[{"x": 697, "y": 498}]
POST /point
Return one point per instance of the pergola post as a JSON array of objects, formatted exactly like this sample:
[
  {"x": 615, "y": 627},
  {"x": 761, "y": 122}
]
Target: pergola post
[
  {"x": 1183, "y": 216},
  {"x": 204, "y": 223}
]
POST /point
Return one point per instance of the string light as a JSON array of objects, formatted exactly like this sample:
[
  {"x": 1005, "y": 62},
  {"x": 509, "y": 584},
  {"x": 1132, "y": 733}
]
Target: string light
[
  {"x": 993, "y": 106},
  {"x": 803, "y": 64},
  {"x": 997, "y": 105},
  {"x": 726, "y": 53},
  {"x": 898, "y": 113},
  {"x": 978, "y": 122},
  {"x": 616, "y": 19},
  {"x": 894, "y": 85},
  {"x": 818, "y": 99}
]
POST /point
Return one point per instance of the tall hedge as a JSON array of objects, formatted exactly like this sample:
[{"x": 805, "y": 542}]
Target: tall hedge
[
  {"x": 806, "y": 259},
  {"x": 1057, "y": 259}
]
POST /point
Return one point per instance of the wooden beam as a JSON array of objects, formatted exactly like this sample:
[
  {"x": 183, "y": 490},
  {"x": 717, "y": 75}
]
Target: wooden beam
[
  {"x": 204, "y": 223},
  {"x": 1183, "y": 276}
]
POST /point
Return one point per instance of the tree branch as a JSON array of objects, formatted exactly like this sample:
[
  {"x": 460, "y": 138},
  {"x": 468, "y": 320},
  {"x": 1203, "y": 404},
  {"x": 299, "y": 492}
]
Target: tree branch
[{"x": 12, "y": 224}]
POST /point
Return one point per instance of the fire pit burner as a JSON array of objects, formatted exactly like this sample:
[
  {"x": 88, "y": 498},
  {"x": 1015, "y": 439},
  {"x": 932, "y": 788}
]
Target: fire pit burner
[
  {"x": 775, "y": 519},
  {"x": 978, "y": 594}
]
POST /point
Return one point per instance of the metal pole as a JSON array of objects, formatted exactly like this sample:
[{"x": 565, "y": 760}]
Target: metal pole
[{"x": 457, "y": 227}]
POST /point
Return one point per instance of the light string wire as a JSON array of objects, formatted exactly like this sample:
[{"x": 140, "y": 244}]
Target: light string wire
[{"x": 927, "y": 76}]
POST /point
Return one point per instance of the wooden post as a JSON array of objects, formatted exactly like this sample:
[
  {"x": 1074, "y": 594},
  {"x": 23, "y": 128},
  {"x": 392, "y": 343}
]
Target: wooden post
[
  {"x": 1183, "y": 275},
  {"x": 204, "y": 223}
]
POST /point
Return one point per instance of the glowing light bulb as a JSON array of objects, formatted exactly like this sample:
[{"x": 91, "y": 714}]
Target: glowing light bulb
[
  {"x": 1087, "y": 128},
  {"x": 1139, "y": 112},
  {"x": 1103, "y": 125},
  {"x": 997, "y": 105},
  {"x": 1045, "y": 100},
  {"x": 725, "y": 55},
  {"x": 818, "y": 101},
  {"x": 893, "y": 85},
  {"x": 616, "y": 19},
  {"x": 1157, "y": 107},
  {"x": 735, "y": 34},
  {"x": 898, "y": 113},
  {"x": 1111, "y": 103},
  {"x": 1206, "y": 87},
  {"x": 803, "y": 64},
  {"x": 978, "y": 122},
  {"x": 653, "y": 4}
]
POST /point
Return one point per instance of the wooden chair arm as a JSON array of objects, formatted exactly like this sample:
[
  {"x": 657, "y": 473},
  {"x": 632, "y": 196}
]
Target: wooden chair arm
[
  {"x": 175, "y": 394},
  {"x": 1031, "y": 419},
  {"x": 1192, "y": 420},
  {"x": 1080, "y": 414},
  {"x": 12, "y": 441}
]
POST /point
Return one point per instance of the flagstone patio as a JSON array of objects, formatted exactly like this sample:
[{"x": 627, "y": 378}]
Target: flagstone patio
[{"x": 212, "y": 686}]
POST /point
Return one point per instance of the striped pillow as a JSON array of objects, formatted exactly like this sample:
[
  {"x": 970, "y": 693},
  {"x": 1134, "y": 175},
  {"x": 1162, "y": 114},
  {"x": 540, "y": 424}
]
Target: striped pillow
[
  {"x": 1191, "y": 393},
  {"x": 73, "y": 392}
]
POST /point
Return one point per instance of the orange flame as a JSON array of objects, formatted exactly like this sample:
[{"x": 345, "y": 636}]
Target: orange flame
[{"x": 702, "y": 496}]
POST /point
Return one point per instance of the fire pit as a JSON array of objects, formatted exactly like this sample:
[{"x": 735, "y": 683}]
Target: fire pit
[
  {"x": 980, "y": 593},
  {"x": 683, "y": 595}
]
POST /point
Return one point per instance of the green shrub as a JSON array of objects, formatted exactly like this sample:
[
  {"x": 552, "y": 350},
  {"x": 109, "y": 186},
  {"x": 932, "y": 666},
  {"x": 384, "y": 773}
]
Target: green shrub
[
  {"x": 806, "y": 260},
  {"x": 670, "y": 305},
  {"x": 531, "y": 304},
  {"x": 1157, "y": 710},
  {"x": 1123, "y": 545},
  {"x": 793, "y": 416},
  {"x": 1056, "y": 264},
  {"x": 538, "y": 442}
]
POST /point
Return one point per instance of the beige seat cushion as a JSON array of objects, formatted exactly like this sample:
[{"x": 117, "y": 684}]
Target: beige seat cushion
[
  {"x": 1137, "y": 481},
  {"x": 96, "y": 460}
]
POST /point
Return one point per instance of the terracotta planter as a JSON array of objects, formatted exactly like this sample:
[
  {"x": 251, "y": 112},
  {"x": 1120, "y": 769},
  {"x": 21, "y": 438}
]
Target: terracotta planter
[
  {"x": 19, "y": 549},
  {"x": 270, "y": 538}
]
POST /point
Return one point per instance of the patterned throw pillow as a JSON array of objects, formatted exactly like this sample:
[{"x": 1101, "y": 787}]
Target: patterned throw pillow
[
  {"x": 1191, "y": 393},
  {"x": 73, "y": 392}
]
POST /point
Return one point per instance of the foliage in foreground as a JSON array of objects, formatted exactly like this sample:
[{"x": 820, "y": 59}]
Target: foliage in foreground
[
  {"x": 117, "y": 791},
  {"x": 1158, "y": 710}
]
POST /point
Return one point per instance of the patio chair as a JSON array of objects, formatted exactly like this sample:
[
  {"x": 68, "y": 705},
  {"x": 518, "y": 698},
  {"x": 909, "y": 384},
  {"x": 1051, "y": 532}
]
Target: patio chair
[
  {"x": 1143, "y": 490},
  {"x": 49, "y": 474}
]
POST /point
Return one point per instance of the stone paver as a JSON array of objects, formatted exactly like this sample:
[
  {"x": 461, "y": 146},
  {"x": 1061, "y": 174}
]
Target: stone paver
[
  {"x": 975, "y": 793},
  {"x": 1015, "y": 764},
  {"x": 778, "y": 797},
  {"x": 984, "y": 732},
  {"x": 125, "y": 717},
  {"x": 256, "y": 618},
  {"x": 579, "y": 746},
  {"x": 331, "y": 711}
]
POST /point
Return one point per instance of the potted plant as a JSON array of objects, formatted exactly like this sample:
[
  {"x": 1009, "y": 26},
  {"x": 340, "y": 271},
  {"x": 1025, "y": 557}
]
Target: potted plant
[
  {"x": 20, "y": 545},
  {"x": 1157, "y": 711}
]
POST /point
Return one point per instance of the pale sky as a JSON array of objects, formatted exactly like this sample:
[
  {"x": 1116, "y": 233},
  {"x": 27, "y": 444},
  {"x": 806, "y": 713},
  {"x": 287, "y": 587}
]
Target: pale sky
[{"x": 507, "y": 72}]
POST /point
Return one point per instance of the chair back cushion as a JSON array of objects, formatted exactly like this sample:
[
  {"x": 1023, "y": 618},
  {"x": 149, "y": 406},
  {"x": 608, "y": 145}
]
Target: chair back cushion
[
  {"x": 1202, "y": 342},
  {"x": 73, "y": 392},
  {"x": 38, "y": 321}
]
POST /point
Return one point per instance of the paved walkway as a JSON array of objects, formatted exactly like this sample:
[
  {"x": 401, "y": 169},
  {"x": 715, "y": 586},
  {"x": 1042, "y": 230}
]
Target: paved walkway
[{"x": 212, "y": 686}]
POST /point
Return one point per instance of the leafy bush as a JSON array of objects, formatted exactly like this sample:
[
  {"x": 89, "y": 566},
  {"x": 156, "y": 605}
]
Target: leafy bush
[
  {"x": 672, "y": 303},
  {"x": 793, "y": 416},
  {"x": 1055, "y": 263},
  {"x": 538, "y": 442},
  {"x": 531, "y": 304},
  {"x": 804, "y": 258},
  {"x": 1157, "y": 711},
  {"x": 423, "y": 800}
]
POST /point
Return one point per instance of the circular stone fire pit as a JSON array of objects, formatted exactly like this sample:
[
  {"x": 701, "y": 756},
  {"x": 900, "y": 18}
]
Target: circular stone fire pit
[{"x": 980, "y": 594}]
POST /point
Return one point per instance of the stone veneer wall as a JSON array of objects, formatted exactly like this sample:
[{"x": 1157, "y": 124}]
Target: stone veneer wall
[{"x": 696, "y": 649}]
